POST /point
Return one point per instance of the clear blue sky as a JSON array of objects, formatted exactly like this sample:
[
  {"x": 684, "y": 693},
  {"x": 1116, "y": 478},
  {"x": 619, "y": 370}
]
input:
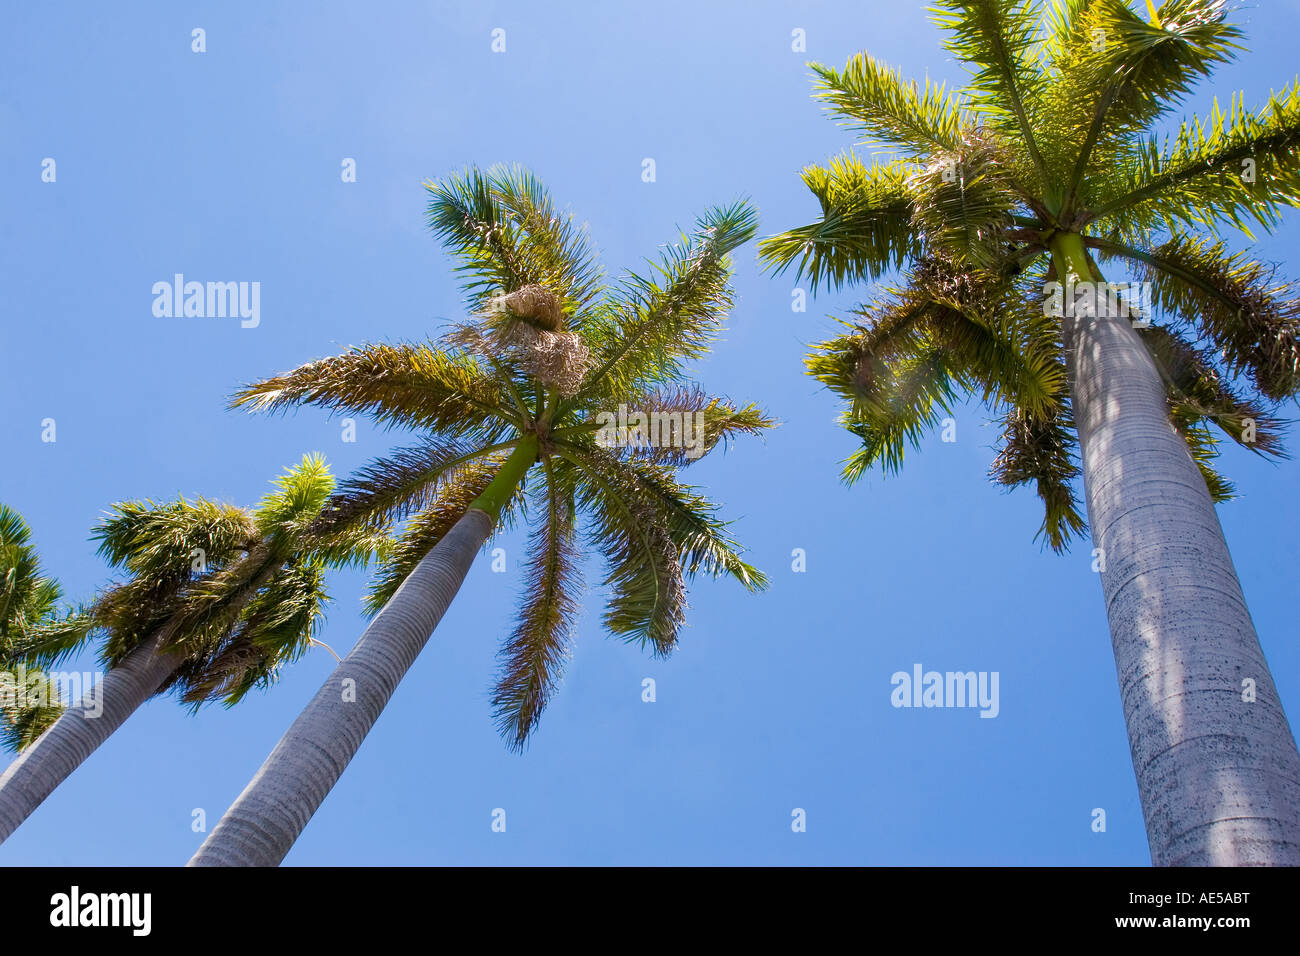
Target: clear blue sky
[{"x": 225, "y": 166}]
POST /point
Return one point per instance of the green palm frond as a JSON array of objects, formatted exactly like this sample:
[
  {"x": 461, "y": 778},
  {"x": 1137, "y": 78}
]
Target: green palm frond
[
  {"x": 1232, "y": 167},
  {"x": 534, "y": 655},
  {"x": 1000, "y": 338},
  {"x": 866, "y": 226},
  {"x": 391, "y": 489},
  {"x": 1124, "y": 73},
  {"x": 415, "y": 386},
  {"x": 902, "y": 406},
  {"x": 998, "y": 39},
  {"x": 28, "y": 597},
  {"x": 681, "y": 425},
  {"x": 169, "y": 542},
  {"x": 275, "y": 628},
  {"x": 1203, "y": 446},
  {"x": 701, "y": 539},
  {"x": 32, "y": 709},
  {"x": 205, "y": 612},
  {"x": 299, "y": 495},
  {"x": 1198, "y": 395},
  {"x": 1233, "y": 301},
  {"x": 672, "y": 314},
  {"x": 30, "y": 628},
  {"x": 503, "y": 228},
  {"x": 19, "y": 568},
  {"x": 897, "y": 380},
  {"x": 427, "y": 527},
  {"x": 890, "y": 110},
  {"x": 994, "y": 339},
  {"x": 647, "y": 601},
  {"x": 53, "y": 639},
  {"x": 964, "y": 203},
  {"x": 1042, "y": 449}
]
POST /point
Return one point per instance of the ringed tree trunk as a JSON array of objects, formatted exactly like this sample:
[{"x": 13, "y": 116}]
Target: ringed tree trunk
[
  {"x": 1217, "y": 769},
  {"x": 268, "y": 817},
  {"x": 80, "y": 730}
]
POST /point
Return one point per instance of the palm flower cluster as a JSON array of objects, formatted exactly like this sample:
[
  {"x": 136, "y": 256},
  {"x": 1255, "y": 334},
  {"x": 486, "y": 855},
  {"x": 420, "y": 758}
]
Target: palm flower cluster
[
  {"x": 550, "y": 345},
  {"x": 1050, "y": 150}
]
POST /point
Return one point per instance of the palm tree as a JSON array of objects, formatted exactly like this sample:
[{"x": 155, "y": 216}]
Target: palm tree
[
  {"x": 516, "y": 411},
  {"x": 1044, "y": 166},
  {"x": 218, "y": 598},
  {"x": 30, "y": 702}
]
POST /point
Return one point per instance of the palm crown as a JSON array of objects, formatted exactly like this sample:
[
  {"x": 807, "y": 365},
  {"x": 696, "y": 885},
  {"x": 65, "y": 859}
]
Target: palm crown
[
  {"x": 514, "y": 408},
  {"x": 28, "y": 604},
  {"x": 233, "y": 592},
  {"x": 1046, "y": 163}
]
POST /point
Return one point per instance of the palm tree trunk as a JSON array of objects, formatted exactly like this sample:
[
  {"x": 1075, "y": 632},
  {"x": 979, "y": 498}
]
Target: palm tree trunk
[
  {"x": 78, "y": 732},
  {"x": 266, "y": 819},
  {"x": 1217, "y": 768}
]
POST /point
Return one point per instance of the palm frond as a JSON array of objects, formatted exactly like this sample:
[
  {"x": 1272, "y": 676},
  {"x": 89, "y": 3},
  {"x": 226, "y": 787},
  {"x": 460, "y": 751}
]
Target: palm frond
[
  {"x": 33, "y": 708},
  {"x": 275, "y": 628},
  {"x": 1042, "y": 449},
  {"x": 27, "y": 596},
  {"x": 997, "y": 38},
  {"x": 866, "y": 226},
  {"x": 890, "y": 110},
  {"x": 507, "y": 234},
  {"x": 426, "y": 528},
  {"x": 53, "y": 639},
  {"x": 1198, "y": 395},
  {"x": 672, "y": 314},
  {"x": 648, "y": 597},
  {"x": 163, "y": 544},
  {"x": 390, "y": 489},
  {"x": 701, "y": 539},
  {"x": 1123, "y": 73},
  {"x": 299, "y": 495},
  {"x": 1229, "y": 168},
  {"x": 681, "y": 425},
  {"x": 1236, "y": 302},
  {"x": 534, "y": 655},
  {"x": 414, "y": 386},
  {"x": 899, "y": 410},
  {"x": 964, "y": 202}
]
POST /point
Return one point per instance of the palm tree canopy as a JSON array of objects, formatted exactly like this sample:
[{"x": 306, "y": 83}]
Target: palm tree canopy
[
  {"x": 27, "y": 595},
  {"x": 509, "y": 408},
  {"x": 235, "y": 592},
  {"x": 1053, "y": 141},
  {"x": 28, "y": 605}
]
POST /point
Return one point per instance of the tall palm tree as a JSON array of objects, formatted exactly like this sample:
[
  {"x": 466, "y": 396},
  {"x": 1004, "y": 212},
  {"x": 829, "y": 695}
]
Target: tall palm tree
[
  {"x": 1044, "y": 166},
  {"x": 514, "y": 408},
  {"x": 218, "y": 598},
  {"x": 29, "y": 599}
]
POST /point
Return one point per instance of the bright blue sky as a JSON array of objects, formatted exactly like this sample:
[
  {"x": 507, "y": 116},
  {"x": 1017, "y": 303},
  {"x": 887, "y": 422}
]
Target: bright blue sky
[{"x": 225, "y": 166}]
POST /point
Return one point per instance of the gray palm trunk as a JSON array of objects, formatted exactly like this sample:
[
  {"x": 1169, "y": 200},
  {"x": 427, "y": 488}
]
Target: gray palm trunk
[
  {"x": 1217, "y": 768},
  {"x": 262, "y": 824},
  {"x": 79, "y": 731}
]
